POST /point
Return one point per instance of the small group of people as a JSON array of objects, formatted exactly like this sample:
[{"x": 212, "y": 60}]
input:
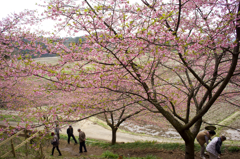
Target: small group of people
[
  {"x": 214, "y": 147},
  {"x": 56, "y": 137},
  {"x": 82, "y": 138}
]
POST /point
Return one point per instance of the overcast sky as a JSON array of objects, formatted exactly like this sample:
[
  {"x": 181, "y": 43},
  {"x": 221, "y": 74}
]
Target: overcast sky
[
  {"x": 11, "y": 6},
  {"x": 15, "y": 6}
]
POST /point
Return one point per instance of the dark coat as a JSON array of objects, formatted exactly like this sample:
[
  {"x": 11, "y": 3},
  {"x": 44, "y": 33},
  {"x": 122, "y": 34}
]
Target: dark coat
[
  {"x": 70, "y": 131},
  {"x": 82, "y": 136}
]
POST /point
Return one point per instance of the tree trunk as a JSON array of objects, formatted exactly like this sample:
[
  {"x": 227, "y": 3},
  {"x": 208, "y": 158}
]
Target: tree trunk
[
  {"x": 114, "y": 136},
  {"x": 189, "y": 149},
  {"x": 188, "y": 138}
]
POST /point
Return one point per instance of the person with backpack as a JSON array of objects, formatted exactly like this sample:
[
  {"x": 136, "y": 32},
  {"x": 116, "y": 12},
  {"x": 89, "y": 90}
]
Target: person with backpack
[
  {"x": 70, "y": 134},
  {"x": 55, "y": 143}
]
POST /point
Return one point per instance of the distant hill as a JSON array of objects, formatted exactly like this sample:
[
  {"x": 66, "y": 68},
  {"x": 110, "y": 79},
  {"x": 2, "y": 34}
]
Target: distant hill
[{"x": 67, "y": 41}]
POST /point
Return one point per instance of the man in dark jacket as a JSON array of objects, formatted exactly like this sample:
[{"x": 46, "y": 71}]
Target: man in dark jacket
[{"x": 70, "y": 134}]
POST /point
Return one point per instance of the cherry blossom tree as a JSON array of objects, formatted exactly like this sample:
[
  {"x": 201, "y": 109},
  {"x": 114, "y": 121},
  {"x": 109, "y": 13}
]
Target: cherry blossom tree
[
  {"x": 231, "y": 96},
  {"x": 7, "y": 82},
  {"x": 115, "y": 118},
  {"x": 19, "y": 91},
  {"x": 172, "y": 57},
  {"x": 105, "y": 105},
  {"x": 177, "y": 55}
]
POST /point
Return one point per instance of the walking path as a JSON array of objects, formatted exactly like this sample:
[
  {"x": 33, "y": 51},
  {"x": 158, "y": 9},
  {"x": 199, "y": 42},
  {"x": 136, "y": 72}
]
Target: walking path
[{"x": 95, "y": 131}]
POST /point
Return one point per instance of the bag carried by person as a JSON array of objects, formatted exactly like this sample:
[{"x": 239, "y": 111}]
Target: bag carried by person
[{"x": 54, "y": 141}]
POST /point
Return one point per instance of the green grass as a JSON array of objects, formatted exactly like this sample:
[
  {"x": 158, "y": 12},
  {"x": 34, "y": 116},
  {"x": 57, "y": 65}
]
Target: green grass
[
  {"x": 147, "y": 157},
  {"x": 234, "y": 149},
  {"x": 140, "y": 145},
  {"x": 64, "y": 137},
  {"x": 227, "y": 121},
  {"x": 110, "y": 155}
]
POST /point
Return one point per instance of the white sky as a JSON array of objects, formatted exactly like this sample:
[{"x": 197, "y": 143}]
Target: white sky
[
  {"x": 11, "y": 6},
  {"x": 15, "y": 6}
]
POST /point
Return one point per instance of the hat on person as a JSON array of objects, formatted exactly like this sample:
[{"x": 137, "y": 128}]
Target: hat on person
[{"x": 212, "y": 132}]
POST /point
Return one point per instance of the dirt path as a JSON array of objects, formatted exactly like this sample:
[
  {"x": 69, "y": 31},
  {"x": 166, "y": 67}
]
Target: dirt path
[{"x": 95, "y": 131}]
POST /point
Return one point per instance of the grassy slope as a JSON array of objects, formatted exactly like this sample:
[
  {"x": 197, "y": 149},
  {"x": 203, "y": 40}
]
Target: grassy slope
[{"x": 108, "y": 149}]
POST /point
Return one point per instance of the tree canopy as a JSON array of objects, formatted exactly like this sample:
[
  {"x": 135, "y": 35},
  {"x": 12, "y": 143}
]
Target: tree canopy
[{"x": 174, "y": 57}]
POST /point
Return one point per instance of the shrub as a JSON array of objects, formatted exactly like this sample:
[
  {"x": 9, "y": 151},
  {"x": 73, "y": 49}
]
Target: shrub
[
  {"x": 233, "y": 149},
  {"x": 150, "y": 157},
  {"x": 109, "y": 154}
]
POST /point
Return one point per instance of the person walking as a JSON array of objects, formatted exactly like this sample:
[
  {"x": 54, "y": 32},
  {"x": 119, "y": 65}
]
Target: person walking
[
  {"x": 55, "y": 143},
  {"x": 214, "y": 147},
  {"x": 70, "y": 134},
  {"x": 202, "y": 138},
  {"x": 82, "y": 139},
  {"x": 57, "y": 129}
]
